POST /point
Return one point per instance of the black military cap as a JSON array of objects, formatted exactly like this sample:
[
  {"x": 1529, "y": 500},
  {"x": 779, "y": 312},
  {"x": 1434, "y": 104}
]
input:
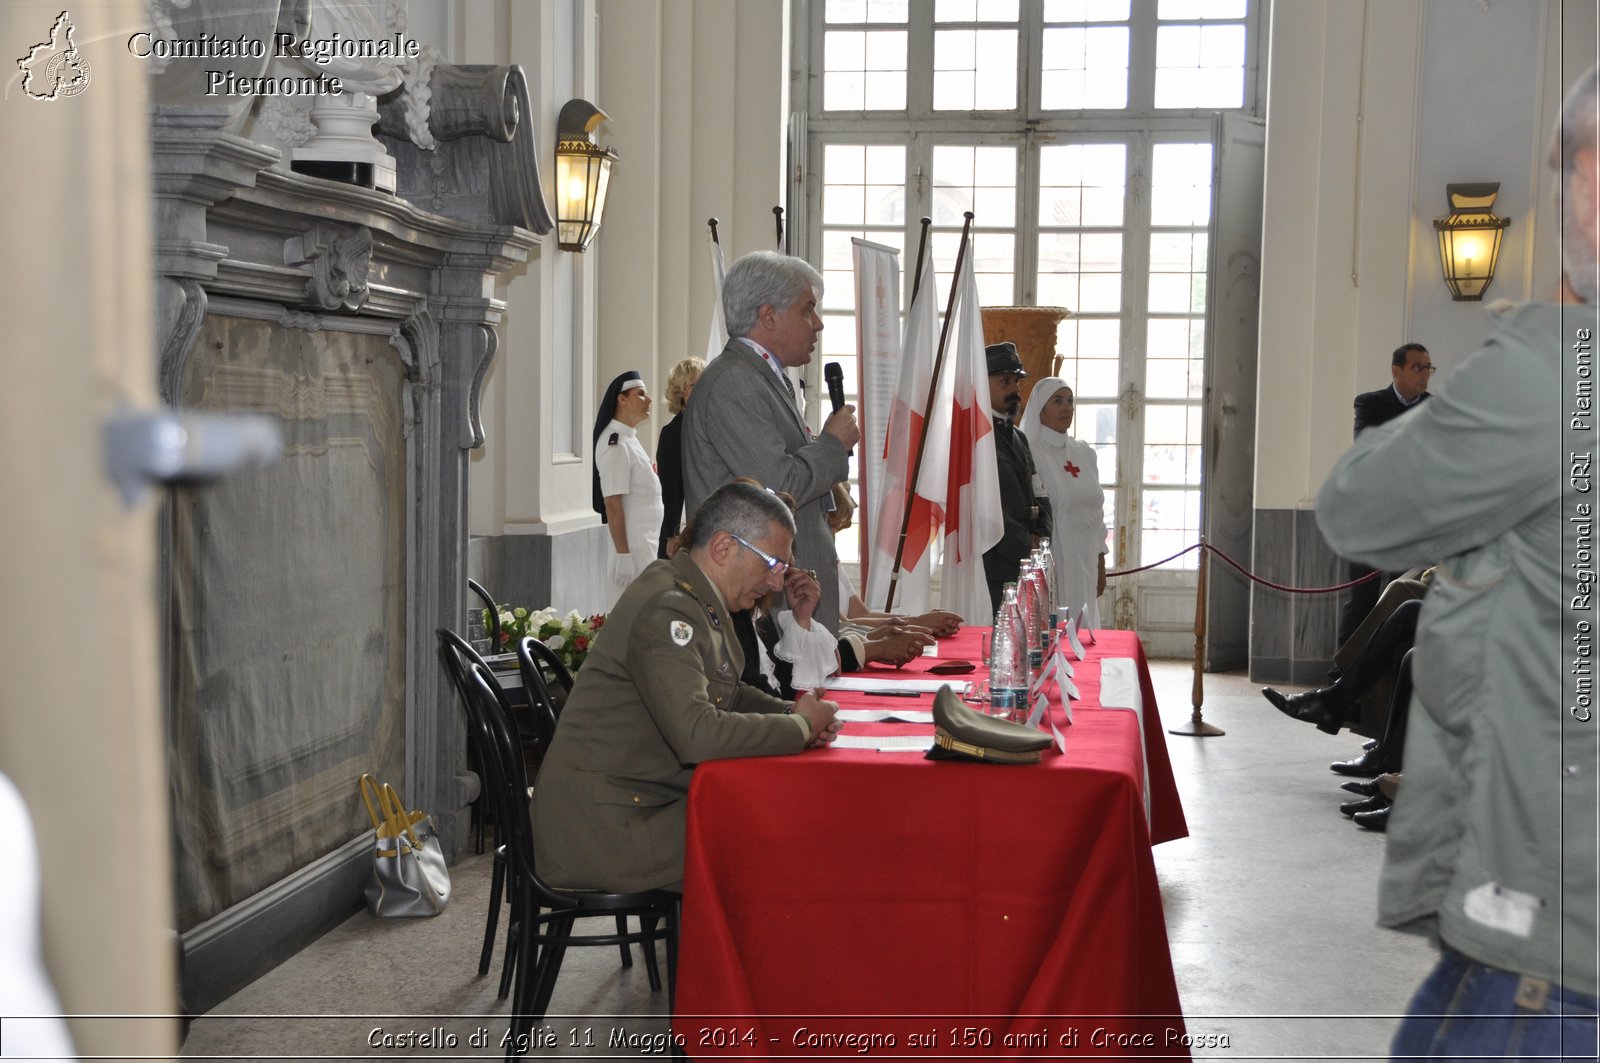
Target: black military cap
[
  {"x": 960, "y": 733},
  {"x": 1003, "y": 358}
]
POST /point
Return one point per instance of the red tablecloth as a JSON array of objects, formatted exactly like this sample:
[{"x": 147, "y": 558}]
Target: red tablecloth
[{"x": 842, "y": 895}]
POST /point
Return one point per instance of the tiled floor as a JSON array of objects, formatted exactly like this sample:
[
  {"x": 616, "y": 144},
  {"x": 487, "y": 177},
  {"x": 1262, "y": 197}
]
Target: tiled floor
[{"x": 1270, "y": 905}]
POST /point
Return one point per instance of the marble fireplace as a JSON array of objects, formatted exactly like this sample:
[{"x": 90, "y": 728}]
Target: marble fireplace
[{"x": 301, "y": 599}]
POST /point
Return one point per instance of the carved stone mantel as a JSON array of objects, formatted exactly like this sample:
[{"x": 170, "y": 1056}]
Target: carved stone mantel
[{"x": 240, "y": 239}]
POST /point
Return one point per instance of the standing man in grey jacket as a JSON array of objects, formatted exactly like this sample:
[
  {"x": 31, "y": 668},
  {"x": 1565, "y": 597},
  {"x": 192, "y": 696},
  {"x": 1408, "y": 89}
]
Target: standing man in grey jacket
[
  {"x": 745, "y": 420},
  {"x": 1492, "y": 839}
]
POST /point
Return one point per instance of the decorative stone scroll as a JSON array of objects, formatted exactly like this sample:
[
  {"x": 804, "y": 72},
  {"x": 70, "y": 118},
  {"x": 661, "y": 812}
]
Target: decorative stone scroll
[{"x": 338, "y": 263}]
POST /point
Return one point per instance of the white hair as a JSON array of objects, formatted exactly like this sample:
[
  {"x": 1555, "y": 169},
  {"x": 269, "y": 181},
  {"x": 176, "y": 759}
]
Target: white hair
[{"x": 764, "y": 278}]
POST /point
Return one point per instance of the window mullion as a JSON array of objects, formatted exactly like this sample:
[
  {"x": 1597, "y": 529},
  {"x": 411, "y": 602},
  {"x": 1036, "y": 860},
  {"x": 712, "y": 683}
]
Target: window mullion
[
  {"x": 1030, "y": 56},
  {"x": 1142, "y": 59},
  {"x": 919, "y": 205},
  {"x": 1027, "y": 239},
  {"x": 919, "y": 62},
  {"x": 1135, "y": 301}
]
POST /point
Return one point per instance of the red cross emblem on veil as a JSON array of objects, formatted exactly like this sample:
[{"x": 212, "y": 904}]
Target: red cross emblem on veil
[{"x": 1073, "y": 469}]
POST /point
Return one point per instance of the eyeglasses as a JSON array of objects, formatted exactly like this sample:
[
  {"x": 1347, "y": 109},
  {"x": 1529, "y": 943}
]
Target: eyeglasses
[
  {"x": 1422, "y": 368},
  {"x": 774, "y": 566}
]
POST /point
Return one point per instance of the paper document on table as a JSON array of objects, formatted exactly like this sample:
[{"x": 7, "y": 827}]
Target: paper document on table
[
  {"x": 879, "y": 715},
  {"x": 1119, "y": 684},
  {"x": 885, "y": 743},
  {"x": 931, "y": 650},
  {"x": 869, "y": 685},
  {"x": 1119, "y": 689}
]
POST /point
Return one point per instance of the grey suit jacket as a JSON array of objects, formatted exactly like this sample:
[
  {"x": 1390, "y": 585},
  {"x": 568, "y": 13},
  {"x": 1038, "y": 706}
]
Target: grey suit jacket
[
  {"x": 659, "y": 693},
  {"x": 741, "y": 422}
]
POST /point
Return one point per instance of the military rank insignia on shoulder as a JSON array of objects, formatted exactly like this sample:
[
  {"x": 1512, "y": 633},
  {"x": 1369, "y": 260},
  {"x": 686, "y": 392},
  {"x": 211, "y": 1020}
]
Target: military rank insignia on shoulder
[{"x": 613, "y": 440}]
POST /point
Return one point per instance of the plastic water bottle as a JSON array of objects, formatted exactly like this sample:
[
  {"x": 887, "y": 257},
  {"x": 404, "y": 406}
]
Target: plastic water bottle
[
  {"x": 1048, "y": 561},
  {"x": 1008, "y": 666},
  {"x": 1032, "y": 613},
  {"x": 1038, "y": 576}
]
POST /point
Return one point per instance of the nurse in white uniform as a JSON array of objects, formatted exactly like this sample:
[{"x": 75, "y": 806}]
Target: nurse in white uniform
[
  {"x": 1071, "y": 476},
  {"x": 627, "y": 493}
]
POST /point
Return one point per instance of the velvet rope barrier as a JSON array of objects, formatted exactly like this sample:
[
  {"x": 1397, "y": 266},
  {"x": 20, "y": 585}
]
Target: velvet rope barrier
[{"x": 1197, "y": 727}]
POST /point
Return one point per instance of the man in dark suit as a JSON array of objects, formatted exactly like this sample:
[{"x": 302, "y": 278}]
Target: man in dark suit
[
  {"x": 1411, "y": 367},
  {"x": 1023, "y": 502},
  {"x": 744, "y": 420},
  {"x": 660, "y": 693}
]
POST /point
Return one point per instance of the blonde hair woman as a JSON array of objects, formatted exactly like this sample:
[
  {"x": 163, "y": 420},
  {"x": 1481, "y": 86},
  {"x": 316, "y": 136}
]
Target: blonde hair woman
[{"x": 669, "y": 448}]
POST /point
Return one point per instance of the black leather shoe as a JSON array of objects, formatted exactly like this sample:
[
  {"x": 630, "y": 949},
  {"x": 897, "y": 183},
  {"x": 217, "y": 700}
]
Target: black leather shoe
[
  {"x": 1314, "y": 706},
  {"x": 1371, "y": 804},
  {"x": 1365, "y": 789},
  {"x": 1371, "y": 743},
  {"x": 1366, "y": 765},
  {"x": 1377, "y": 819}
]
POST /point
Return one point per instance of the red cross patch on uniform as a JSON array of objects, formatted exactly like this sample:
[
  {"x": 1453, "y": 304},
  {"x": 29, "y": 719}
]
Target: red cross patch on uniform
[{"x": 1073, "y": 469}]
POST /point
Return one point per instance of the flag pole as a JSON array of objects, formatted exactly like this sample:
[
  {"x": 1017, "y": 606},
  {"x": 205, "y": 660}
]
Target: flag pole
[
  {"x": 922, "y": 250},
  {"x": 777, "y": 218},
  {"x": 933, "y": 391}
]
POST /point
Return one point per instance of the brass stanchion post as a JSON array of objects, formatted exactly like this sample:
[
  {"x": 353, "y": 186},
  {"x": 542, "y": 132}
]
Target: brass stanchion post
[{"x": 1196, "y": 726}]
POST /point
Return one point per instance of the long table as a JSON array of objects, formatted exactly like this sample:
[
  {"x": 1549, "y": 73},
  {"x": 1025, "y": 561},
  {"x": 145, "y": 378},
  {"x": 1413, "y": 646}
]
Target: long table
[{"x": 846, "y": 901}]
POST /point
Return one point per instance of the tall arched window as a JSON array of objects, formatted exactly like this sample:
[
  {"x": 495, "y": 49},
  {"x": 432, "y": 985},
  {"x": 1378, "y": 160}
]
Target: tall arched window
[{"x": 1082, "y": 134}]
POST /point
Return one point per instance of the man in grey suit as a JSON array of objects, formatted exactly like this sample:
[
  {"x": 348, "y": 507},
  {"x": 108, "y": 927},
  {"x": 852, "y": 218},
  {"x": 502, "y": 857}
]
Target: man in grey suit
[
  {"x": 744, "y": 420},
  {"x": 658, "y": 694}
]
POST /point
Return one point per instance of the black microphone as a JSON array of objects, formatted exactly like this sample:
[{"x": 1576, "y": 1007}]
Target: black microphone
[{"x": 835, "y": 378}]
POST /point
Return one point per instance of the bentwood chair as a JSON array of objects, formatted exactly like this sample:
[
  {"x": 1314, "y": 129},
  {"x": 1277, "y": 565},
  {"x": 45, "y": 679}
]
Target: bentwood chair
[
  {"x": 493, "y": 626},
  {"x": 458, "y": 657},
  {"x": 535, "y": 661},
  {"x": 534, "y": 656},
  {"x": 550, "y": 935},
  {"x": 492, "y": 635},
  {"x": 531, "y": 738}
]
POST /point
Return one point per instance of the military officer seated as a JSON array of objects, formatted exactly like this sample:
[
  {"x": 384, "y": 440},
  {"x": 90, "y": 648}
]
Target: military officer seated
[{"x": 658, "y": 694}]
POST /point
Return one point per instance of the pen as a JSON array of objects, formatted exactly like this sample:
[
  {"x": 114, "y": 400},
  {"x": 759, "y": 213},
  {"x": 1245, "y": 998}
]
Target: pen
[{"x": 892, "y": 693}]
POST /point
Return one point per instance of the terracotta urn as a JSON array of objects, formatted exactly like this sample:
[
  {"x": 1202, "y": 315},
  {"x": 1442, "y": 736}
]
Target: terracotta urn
[{"x": 1033, "y": 330}]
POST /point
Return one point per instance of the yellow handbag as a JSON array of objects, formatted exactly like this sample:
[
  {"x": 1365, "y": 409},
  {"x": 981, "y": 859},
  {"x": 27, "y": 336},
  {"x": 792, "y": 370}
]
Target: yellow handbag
[{"x": 409, "y": 876}]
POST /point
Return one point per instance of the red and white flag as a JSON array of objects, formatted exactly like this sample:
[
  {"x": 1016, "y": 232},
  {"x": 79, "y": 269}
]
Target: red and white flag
[
  {"x": 973, "y": 520},
  {"x": 903, "y": 430},
  {"x": 718, "y": 337}
]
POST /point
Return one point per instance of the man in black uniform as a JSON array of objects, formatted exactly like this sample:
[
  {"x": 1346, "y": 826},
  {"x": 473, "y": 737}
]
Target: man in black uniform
[
  {"x": 1411, "y": 367},
  {"x": 1022, "y": 498}
]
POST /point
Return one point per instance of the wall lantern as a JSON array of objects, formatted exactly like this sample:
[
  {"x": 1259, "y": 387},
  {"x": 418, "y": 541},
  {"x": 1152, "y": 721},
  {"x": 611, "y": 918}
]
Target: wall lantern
[
  {"x": 583, "y": 169},
  {"x": 1469, "y": 239}
]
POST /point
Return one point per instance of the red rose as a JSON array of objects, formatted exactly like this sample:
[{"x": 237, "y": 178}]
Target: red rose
[{"x": 581, "y": 644}]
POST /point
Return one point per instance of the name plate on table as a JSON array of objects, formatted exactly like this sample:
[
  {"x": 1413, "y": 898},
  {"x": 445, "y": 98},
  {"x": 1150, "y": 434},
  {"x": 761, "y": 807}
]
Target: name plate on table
[
  {"x": 885, "y": 743},
  {"x": 861, "y": 684}
]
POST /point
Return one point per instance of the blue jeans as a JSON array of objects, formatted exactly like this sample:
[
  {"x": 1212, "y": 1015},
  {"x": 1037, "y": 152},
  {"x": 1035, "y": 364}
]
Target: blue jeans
[{"x": 1466, "y": 1011}]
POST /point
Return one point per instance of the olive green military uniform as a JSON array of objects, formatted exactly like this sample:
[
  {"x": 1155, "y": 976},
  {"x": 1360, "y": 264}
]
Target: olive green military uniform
[{"x": 658, "y": 694}]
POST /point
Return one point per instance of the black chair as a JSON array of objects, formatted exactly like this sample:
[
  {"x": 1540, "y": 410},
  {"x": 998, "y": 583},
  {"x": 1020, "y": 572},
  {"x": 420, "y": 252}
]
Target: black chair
[
  {"x": 538, "y": 665},
  {"x": 533, "y": 991},
  {"x": 535, "y": 661},
  {"x": 492, "y": 630},
  {"x": 458, "y": 656},
  {"x": 493, "y": 625},
  {"x": 532, "y": 737}
]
